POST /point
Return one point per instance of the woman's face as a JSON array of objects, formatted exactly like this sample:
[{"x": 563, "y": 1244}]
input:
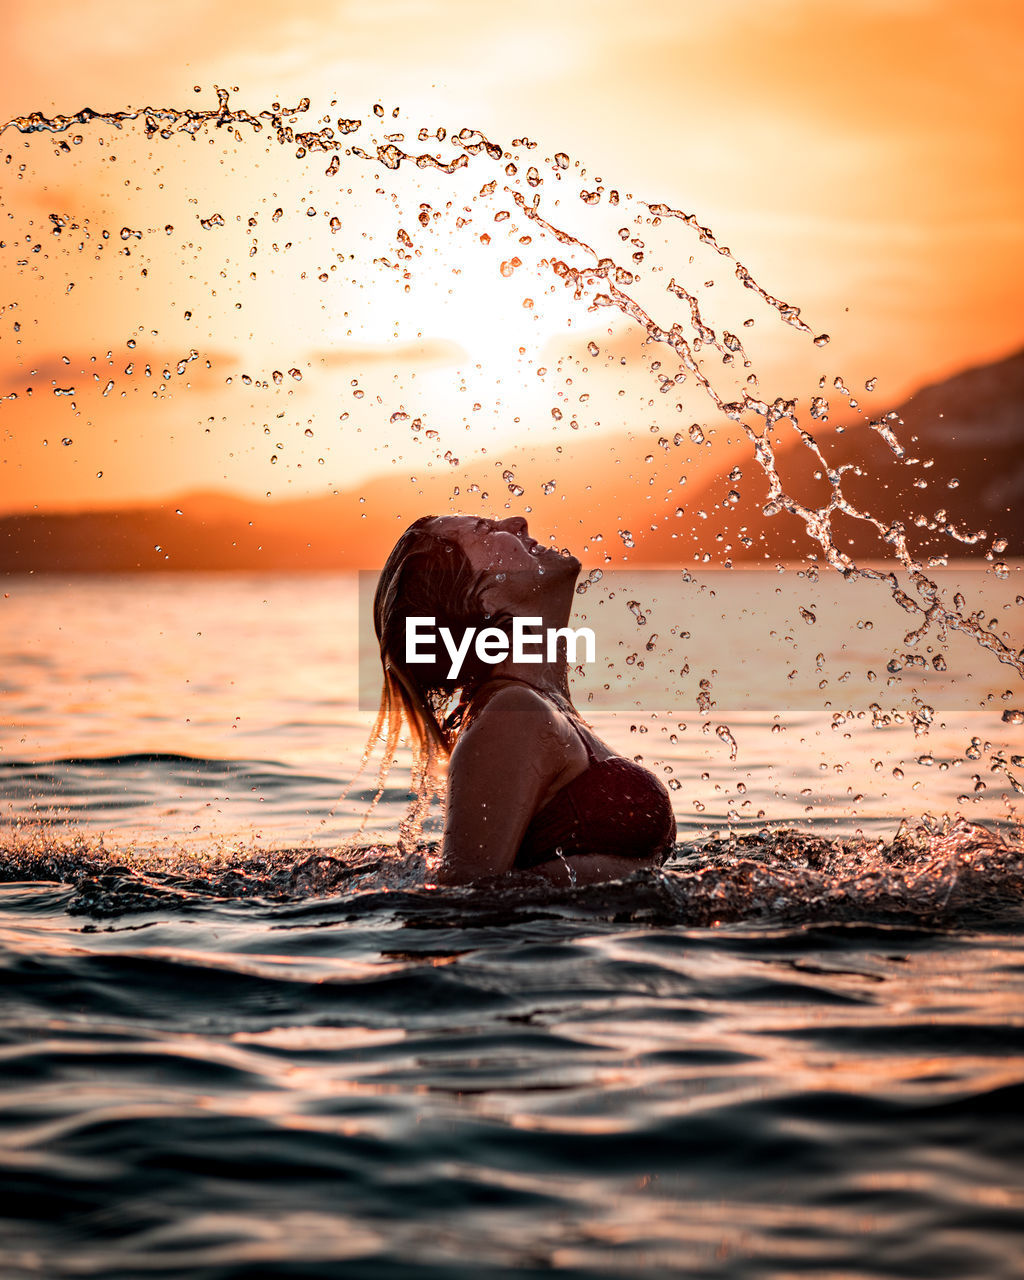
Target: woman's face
[
  {"x": 504, "y": 549},
  {"x": 498, "y": 545}
]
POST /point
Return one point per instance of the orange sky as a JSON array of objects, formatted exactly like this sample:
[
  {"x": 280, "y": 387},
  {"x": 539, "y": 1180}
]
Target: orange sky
[{"x": 863, "y": 160}]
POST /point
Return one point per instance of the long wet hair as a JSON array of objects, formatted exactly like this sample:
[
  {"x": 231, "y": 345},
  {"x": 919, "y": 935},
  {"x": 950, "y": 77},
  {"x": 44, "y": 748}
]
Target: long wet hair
[{"x": 426, "y": 575}]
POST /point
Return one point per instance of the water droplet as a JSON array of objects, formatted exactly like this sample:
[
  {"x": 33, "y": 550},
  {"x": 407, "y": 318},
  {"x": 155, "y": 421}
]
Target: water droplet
[{"x": 595, "y": 575}]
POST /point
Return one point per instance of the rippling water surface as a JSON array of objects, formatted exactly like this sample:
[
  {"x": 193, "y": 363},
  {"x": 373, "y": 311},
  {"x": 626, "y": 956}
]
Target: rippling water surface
[
  {"x": 259, "y": 1087},
  {"x": 234, "y": 1045}
]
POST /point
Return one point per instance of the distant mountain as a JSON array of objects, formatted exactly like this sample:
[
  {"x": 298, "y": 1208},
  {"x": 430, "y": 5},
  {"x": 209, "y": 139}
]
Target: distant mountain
[
  {"x": 962, "y": 469},
  {"x": 602, "y": 486},
  {"x": 609, "y": 492}
]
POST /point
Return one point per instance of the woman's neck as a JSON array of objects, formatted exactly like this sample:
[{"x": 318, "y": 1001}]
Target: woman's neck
[{"x": 549, "y": 678}]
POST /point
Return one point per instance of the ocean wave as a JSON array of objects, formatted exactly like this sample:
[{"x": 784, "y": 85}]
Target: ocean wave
[{"x": 944, "y": 872}]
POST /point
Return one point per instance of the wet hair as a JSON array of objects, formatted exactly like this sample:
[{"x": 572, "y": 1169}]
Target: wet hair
[
  {"x": 429, "y": 575},
  {"x": 426, "y": 575}
]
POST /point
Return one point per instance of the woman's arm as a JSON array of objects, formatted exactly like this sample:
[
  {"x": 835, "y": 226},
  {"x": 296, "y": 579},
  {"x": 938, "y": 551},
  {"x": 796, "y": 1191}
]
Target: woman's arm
[{"x": 503, "y": 764}]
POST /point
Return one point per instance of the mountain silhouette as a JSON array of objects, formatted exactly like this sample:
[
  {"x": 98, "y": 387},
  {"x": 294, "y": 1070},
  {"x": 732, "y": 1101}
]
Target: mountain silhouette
[{"x": 635, "y": 498}]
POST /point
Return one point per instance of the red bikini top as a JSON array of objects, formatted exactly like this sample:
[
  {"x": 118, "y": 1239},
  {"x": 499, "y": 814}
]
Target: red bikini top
[{"x": 615, "y": 806}]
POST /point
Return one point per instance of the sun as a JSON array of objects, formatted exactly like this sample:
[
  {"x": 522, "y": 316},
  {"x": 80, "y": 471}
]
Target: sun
[{"x": 496, "y": 305}]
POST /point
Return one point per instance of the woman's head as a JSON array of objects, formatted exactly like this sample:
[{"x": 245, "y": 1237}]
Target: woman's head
[
  {"x": 426, "y": 576},
  {"x": 516, "y": 573},
  {"x": 460, "y": 571}
]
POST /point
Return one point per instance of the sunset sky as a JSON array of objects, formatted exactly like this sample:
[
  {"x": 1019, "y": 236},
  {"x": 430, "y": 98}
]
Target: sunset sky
[{"x": 863, "y": 161}]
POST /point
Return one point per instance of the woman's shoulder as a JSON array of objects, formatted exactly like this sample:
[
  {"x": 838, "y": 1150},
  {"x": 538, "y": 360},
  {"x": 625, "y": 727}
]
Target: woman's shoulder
[
  {"x": 502, "y": 704},
  {"x": 517, "y": 726}
]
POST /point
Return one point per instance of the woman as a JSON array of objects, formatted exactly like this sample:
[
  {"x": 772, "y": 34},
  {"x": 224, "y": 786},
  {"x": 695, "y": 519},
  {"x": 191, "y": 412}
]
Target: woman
[{"x": 529, "y": 786}]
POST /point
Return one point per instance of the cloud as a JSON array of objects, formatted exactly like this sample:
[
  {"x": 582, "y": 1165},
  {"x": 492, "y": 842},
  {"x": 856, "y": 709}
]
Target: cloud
[
  {"x": 431, "y": 351},
  {"x": 87, "y": 371}
]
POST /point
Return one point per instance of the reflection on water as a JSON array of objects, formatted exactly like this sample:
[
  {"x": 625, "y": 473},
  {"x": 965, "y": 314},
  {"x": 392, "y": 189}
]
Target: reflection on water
[
  {"x": 423, "y": 1090},
  {"x": 233, "y": 1048}
]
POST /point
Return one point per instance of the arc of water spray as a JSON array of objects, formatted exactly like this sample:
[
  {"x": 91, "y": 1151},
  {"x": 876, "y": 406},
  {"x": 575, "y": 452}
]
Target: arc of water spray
[
  {"x": 817, "y": 521},
  {"x": 168, "y": 121}
]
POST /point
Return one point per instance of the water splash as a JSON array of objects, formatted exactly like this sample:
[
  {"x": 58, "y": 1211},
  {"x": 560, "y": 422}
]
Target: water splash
[
  {"x": 932, "y": 611},
  {"x": 520, "y": 181},
  {"x": 603, "y": 283},
  {"x": 935, "y": 872},
  {"x": 725, "y": 734}
]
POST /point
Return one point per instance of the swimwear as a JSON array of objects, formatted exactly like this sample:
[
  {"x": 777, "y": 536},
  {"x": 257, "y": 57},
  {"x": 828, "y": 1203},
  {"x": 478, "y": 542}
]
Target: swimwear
[{"x": 615, "y": 806}]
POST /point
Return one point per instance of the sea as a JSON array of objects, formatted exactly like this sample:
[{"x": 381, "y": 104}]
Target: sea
[{"x": 243, "y": 1034}]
